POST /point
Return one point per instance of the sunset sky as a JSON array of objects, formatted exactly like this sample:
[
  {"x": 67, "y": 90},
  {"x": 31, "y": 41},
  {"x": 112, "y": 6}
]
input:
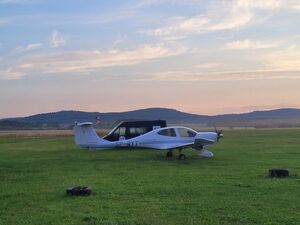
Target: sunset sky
[{"x": 204, "y": 57}]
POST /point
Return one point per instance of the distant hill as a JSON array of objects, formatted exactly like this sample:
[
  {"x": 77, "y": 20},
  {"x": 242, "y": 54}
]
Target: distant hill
[{"x": 65, "y": 119}]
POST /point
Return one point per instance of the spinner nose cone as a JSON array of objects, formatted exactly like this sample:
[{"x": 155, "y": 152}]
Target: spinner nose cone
[{"x": 220, "y": 135}]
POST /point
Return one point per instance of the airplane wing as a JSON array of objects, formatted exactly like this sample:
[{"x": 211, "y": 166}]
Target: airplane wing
[
  {"x": 175, "y": 145},
  {"x": 205, "y": 138},
  {"x": 198, "y": 143},
  {"x": 203, "y": 141}
]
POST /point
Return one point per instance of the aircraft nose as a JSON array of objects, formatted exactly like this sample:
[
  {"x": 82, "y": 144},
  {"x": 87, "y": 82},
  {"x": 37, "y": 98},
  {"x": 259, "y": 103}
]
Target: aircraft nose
[{"x": 216, "y": 137}]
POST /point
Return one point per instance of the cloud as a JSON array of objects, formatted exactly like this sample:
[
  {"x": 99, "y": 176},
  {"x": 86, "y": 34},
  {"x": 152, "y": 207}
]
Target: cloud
[
  {"x": 118, "y": 40},
  {"x": 180, "y": 27},
  {"x": 89, "y": 61},
  {"x": 220, "y": 15},
  {"x": 286, "y": 59},
  {"x": 14, "y": 1},
  {"x": 192, "y": 76},
  {"x": 33, "y": 46},
  {"x": 183, "y": 27},
  {"x": 3, "y": 22},
  {"x": 8, "y": 1},
  {"x": 248, "y": 44},
  {"x": 250, "y": 4},
  {"x": 208, "y": 66},
  {"x": 146, "y": 3},
  {"x": 29, "y": 47},
  {"x": 10, "y": 74},
  {"x": 57, "y": 40}
]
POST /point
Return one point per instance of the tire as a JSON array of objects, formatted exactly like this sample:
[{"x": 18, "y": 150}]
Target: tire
[
  {"x": 278, "y": 173},
  {"x": 69, "y": 191},
  {"x": 76, "y": 191},
  {"x": 169, "y": 154}
]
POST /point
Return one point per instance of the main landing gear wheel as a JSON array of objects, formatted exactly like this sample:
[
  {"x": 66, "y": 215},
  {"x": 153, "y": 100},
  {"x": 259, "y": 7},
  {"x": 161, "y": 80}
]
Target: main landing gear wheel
[
  {"x": 169, "y": 154},
  {"x": 181, "y": 156}
]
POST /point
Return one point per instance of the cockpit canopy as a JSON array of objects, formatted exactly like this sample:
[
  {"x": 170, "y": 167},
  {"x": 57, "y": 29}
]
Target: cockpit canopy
[
  {"x": 180, "y": 132},
  {"x": 170, "y": 132},
  {"x": 186, "y": 132}
]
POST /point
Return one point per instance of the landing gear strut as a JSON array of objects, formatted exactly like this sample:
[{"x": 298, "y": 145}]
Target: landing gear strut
[
  {"x": 181, "y": 155},
  {"x": 169, "y": 154}
]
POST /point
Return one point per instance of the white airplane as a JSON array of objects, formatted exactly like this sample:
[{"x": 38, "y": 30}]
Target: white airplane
[{"x": 166, "y": 138}]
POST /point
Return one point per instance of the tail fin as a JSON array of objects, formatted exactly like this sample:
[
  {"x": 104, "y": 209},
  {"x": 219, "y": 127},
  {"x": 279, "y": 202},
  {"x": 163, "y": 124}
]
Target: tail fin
[{"x": 86, "y": 136}]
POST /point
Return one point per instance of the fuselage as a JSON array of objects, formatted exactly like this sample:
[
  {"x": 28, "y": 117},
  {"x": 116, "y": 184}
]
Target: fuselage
[{"x": 165, "y": 138}]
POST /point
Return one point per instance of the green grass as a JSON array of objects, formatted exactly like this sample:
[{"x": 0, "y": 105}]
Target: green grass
[{"x": 143, "y": 187}]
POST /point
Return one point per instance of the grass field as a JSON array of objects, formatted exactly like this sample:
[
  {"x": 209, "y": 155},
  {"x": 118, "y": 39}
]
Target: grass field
[{"x": 143, "y": 187}]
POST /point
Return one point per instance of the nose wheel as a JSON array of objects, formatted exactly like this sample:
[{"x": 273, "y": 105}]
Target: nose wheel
[{"x": 181, "y": 157}]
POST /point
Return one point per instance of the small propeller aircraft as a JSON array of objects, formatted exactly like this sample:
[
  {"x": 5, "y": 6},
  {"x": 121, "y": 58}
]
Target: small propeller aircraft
[{"x": 166, "y": 138}]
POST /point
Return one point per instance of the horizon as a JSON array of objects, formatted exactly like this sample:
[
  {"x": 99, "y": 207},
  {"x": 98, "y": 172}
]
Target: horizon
[
  {"x": 206, "y": 58},
  {"x": 70, "y": 110}
]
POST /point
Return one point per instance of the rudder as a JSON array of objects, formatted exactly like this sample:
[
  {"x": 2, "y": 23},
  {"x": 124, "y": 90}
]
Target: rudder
[{"x": 86, "y": 136}]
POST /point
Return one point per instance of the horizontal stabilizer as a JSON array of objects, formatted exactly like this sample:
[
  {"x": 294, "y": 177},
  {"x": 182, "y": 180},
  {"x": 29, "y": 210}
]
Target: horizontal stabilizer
[{"x": 84, "y": 124}]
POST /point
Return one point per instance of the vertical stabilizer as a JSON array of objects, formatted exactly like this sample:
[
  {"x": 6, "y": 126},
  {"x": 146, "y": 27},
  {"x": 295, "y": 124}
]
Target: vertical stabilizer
[{"x": 86, "y": 136}]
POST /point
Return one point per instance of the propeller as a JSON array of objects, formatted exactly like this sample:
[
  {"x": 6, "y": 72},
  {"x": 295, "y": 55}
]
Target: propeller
[{"x": 219, "y": 133}]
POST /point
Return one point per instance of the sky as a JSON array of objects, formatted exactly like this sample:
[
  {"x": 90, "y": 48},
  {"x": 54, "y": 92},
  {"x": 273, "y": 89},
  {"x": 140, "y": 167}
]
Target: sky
[{"x": 205, "y": 57}]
